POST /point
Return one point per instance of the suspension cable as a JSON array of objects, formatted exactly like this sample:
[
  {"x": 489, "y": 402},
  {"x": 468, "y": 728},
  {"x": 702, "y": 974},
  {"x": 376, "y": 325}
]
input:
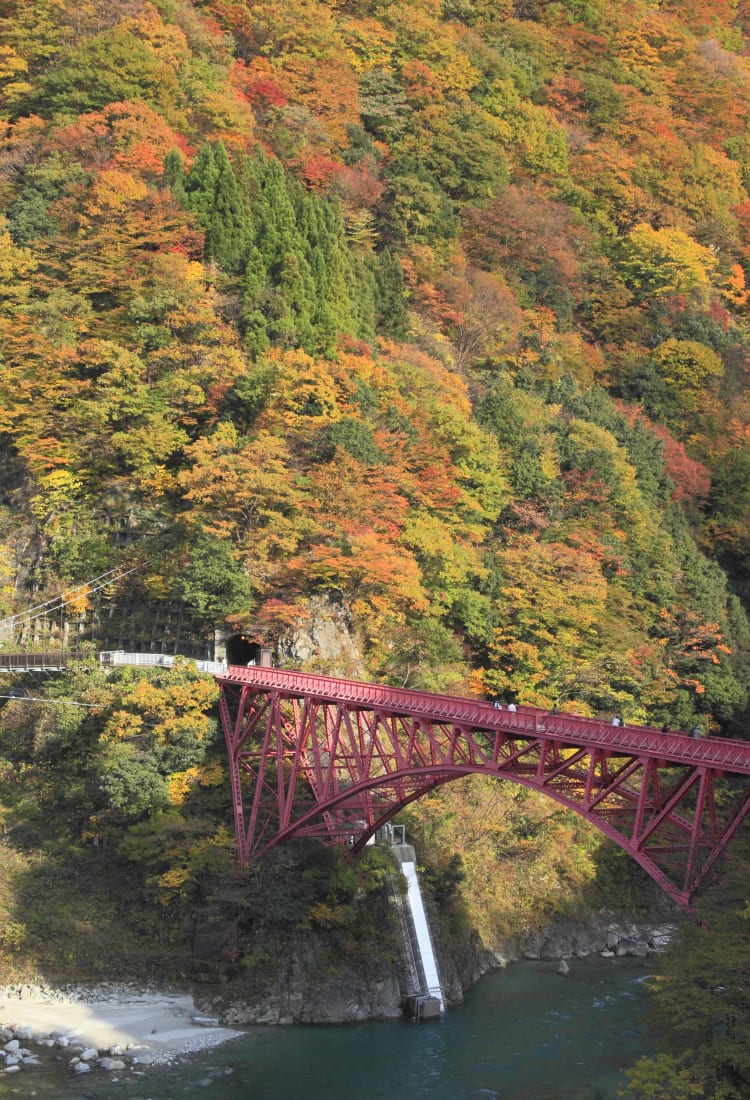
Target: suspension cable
[
  {"x": 52, "y": 702},
  {"x": 56, "y": 602}
]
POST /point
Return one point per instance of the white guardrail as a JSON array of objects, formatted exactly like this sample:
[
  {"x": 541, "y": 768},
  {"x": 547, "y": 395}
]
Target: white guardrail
[{"x": 157, "y": 660}]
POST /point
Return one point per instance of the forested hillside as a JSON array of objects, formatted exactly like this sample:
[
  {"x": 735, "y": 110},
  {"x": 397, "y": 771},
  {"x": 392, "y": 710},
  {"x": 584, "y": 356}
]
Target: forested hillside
[{"x": 433, "y": 313}]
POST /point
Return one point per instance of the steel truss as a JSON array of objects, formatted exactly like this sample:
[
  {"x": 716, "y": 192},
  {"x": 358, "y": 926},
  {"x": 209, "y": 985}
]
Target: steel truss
[{"x": 316, "y": 756}]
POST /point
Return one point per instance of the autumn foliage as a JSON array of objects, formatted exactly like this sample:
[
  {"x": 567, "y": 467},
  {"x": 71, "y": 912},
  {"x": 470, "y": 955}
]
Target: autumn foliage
[{"x": 432, "y": 314}]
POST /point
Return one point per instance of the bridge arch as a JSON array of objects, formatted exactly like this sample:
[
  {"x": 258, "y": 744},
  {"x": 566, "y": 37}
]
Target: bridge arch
[{"x": 336, "y": 759}]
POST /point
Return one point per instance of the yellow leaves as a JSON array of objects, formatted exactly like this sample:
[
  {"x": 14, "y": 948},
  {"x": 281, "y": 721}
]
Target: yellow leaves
[
  {"x": 634, "y": 49},
  {"x": 16, "y": 266},
  {"x": 370, "y": 45},
  {"x": 238, "y": 488},
  {"x": 56, "y": 490},
  {"x": 173, "y": 882},
  {"x": 323, "y": 915},
  {"x": 112, "y": 190},
  {"x": 459, "y": 75},
  {"x": 539, "y": 140},
  {"x": 163, "y": 709},
  {"x": 690, "y": 369},
  {"x": 194, "y": 272},
  {"x": 11, "y": 64},
  {"x": 447, "y": 559},
  {"x": 168, "y": 41},
  {"x": 667, "y": 261},
  {"x": 79, "y": 602},
  {"x": 180, "y": 784},
  {"x": 13, "y": 70},
  {"x": 122, "y": 726},
  {"x": 305, "y": 394}
]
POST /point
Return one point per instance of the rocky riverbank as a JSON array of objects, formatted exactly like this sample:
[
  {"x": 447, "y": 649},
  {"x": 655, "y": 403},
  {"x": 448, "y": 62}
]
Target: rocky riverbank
[
  {"x": 108, "y": 1028},
  {"x": 299, "y": 993},
  {"x": 120, "y": 1030},
  {"x": 605, "y": 936}
]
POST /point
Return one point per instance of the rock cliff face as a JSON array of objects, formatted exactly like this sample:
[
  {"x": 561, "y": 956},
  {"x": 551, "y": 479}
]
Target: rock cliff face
[
  {"x": 604, "y": 934},
  {"x": 301, "y": 992},
  {"x": 324, "y": 640}
]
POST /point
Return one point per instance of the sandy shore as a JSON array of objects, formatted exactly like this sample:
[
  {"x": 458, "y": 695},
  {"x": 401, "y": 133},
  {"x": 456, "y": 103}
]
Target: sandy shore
[{"x": 147, "y": 1027}]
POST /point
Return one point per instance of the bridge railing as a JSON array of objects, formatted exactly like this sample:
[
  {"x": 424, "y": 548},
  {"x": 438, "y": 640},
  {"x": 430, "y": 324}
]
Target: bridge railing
[
  {"x": 722, "y": 753},
  {"x": 32, "y": 662},
  {"x": 116, "y": 657}
]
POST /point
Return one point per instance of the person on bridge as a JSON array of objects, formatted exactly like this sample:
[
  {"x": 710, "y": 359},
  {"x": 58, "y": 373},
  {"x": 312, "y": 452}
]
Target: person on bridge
[
  {"x": 696, "y": 731},
  {"x": 617, "y": 721},
  {"x": 512, "y": 707}
]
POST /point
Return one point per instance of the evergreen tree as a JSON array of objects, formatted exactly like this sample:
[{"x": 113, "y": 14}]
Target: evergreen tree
[
  {"x": 226, "y": 229},
  {"x": 210, "y": 190},
  {"x": 200, "y": 183},
  {"x": 391, "y": 313},
  {"x": 174, "y": 175}
]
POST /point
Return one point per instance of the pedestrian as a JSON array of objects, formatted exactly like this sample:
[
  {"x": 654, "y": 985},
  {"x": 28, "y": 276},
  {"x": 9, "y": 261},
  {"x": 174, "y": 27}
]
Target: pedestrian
[
  {"x": 512, "y": 707},
  {"x": 695, "y": 732},
  {"x": 616, "y": 720}
]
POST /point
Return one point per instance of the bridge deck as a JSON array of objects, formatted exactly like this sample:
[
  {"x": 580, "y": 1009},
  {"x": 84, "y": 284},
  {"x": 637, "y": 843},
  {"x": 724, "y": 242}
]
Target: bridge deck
[
  {"x": 33, "y": 662},
  {"x": 720, "y": 753}
]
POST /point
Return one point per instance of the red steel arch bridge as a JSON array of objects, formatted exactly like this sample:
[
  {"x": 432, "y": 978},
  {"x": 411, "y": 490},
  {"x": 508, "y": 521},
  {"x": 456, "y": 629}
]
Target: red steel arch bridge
[{"x": 317, "y": 756}]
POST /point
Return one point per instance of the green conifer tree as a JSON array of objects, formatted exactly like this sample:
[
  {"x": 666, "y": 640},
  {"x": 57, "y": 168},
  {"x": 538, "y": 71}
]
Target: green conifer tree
[
  {"x": 227, "y": 235},
  {"x": 391, "y": 312}
]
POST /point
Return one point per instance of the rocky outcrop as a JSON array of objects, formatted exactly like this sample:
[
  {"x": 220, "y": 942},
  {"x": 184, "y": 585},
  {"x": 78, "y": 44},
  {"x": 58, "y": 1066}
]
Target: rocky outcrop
[
  {"x": 462, "y": 963},
  {"x": 323, "y": 638},
  {"x": 300, "y": 994},
  {"x": 601, "y": 934}
]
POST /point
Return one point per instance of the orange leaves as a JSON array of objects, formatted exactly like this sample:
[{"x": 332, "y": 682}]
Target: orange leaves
[
  {"x": 127, "y": 136},
  {"x": 317, "y": 171},
  {"x": 355, "y": 547},
  {"x": 689, "y": 643},
  {"x": 422, "y": 85},
  {"x": 692, "y": 480}
]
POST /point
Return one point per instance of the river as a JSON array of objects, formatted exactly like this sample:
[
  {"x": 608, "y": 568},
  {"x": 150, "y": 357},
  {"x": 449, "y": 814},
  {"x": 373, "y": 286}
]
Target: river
[{"x": 525, "y": 1032}]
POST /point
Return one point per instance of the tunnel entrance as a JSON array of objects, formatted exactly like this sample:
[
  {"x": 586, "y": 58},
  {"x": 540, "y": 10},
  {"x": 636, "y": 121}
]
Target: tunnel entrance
[{"x": 243, "y": 650}]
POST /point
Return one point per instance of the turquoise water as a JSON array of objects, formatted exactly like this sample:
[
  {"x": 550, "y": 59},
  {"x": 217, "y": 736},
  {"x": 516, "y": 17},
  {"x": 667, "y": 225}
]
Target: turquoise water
[{"x": 525, "y": 1032}]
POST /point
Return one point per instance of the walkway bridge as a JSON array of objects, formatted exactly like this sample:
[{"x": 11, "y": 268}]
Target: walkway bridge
[
  {"x": 322, "y": 757},
  {"x": 317, "y": 756}
]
